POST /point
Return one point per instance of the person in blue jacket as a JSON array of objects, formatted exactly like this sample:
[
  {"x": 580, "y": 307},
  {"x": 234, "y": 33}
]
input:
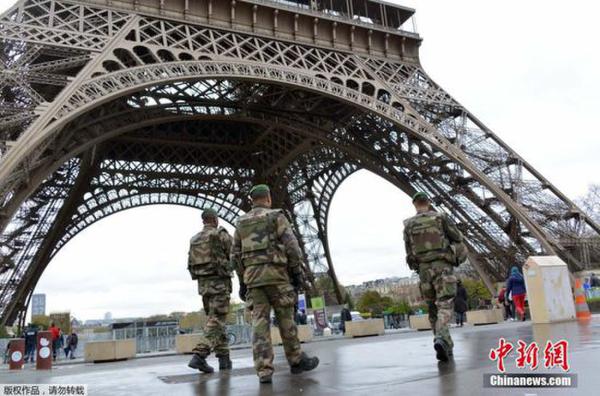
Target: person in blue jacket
[{"x": 516, "y": 285}]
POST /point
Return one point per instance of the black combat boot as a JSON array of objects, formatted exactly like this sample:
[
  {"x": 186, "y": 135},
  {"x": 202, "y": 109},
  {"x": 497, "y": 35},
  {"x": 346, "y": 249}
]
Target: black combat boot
[
  {"x": 266, "y": 379},
  {"x": 305, "y": 364},
  {"x": 199, "y": 363},
  {"x": 224, "y": 362},
  {"x": 441, "y": 350}
]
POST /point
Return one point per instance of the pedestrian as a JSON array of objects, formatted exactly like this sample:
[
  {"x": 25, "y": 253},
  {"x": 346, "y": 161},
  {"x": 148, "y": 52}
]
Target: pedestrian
[
  {"x": 460, "y": 303},
  {"x": 506, "y": 304},
  {"x": 7, "y": 352},
  {"x": 72, "y": 341},
  {"x": 515, "y": 286},
  {"x": 268, "y": 261},
  {"x": 594, "y": 280},
  {"x": 434, "y": 246},
  {"x": 67, "y": 349},
  {"x": 587, "y": 288},
  {"x": 30, "y": 335},
  {"x": 61, "y": 342},
  {"x": 301, "y": 317},
  {"x": 345, "y": 316},
  {"x": 55, "y": 332},
  {"x": 208, "y": 263}
]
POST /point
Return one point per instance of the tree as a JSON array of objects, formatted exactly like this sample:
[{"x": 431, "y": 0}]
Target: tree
[
  {"x": 590, "y": 203},
  {"x": 326, "y": 288},
  {"x": 373, "y": 303},
  {"x": 348, "y": 300},
  {"x": 400, "y": 307},
  {"x": 41, "y": 321},
  {"x": 192, "y": 321},
  {"x": 177, "y": 315},
  {"x": 476, "y": 292}
]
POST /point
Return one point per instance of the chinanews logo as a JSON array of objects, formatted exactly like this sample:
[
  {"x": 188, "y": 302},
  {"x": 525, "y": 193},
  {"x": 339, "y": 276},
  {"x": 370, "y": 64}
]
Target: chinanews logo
[{"x": 554, "y": 356}]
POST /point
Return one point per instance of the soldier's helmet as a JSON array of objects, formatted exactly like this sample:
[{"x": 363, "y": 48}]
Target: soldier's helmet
[
  {"x": 259, "y": 190},
  {"x": 209, "y": 213},
  {"x": 420, "y": 196}
]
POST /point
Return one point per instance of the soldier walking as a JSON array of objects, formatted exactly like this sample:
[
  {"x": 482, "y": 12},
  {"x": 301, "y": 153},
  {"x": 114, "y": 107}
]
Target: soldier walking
[
  {"x": 434, "y": 247},
  {"x": 267, "y": 259},
  {"x": 208, "y": 263}
]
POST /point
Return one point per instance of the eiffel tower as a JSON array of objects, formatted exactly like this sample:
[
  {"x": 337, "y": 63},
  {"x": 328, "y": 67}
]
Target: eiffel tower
[{"x": 110, "y": 104}]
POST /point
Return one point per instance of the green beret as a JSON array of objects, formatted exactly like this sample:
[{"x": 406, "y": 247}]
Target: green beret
[
  {"x": 420, "y": 195},
  {"x": 259, "y": 189},
  {"x": 209, "y": 212}
]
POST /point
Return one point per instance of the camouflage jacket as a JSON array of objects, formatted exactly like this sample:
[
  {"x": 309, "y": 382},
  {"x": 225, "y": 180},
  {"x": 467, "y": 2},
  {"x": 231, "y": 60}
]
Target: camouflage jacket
[
  {"x": 265, "y": 250},
  {"x": 430, "y": 237},
  {"x": 208, "y": 257}
]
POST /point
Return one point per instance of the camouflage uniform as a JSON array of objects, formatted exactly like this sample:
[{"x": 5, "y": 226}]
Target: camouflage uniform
[
  {"x": 267, "y": 257},
  {"x": 431, "y": 241},
  {"x": 208, "y": 263}
]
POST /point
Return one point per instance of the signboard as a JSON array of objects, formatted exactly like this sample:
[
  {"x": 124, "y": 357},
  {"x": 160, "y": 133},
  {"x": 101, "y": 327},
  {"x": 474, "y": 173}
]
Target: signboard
[
  {"x": 320, "y": 318},
  {"x": 318, "y": 306},
  {"x": 317, "y": 303},
  {"x": 302, "y": 302}
]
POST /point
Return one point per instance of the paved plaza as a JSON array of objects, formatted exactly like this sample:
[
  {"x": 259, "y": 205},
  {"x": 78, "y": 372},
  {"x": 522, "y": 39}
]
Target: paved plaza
[{"x": 401, "y": 363}]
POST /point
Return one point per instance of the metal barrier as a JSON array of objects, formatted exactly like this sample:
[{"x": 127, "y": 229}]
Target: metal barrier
[{"x": 159, "y": 339}]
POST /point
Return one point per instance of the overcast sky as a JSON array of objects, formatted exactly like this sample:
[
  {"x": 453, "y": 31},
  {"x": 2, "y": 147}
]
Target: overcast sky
[{"x": 527, "y": 69}]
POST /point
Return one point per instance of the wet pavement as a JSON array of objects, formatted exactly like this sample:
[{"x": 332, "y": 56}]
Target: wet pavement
[{"x": 401, "y": 363}]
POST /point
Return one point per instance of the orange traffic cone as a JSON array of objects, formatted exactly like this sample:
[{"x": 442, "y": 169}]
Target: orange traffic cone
[{"x": 581, "y": 307}]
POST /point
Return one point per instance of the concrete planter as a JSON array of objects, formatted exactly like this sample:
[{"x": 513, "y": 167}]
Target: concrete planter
[
  {"x": 305, "y": 334},
  {"x": 184, "y": 343},
  {"x": 363, "y": 328},
  {"x": 106, "y": 351},
  {"x": 484, "y": 316},
  {"x": 419, "y": 322}
]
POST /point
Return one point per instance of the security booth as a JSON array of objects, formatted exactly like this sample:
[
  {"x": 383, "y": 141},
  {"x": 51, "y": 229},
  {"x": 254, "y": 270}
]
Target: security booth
[{"x": 548, "y": 289}]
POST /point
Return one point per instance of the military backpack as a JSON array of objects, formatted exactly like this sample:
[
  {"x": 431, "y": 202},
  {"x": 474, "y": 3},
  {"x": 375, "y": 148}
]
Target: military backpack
[
  {"x": 208, "y": 257},
  {"x": 427, "y": 239},
  {"x": 258, "y": 235}
]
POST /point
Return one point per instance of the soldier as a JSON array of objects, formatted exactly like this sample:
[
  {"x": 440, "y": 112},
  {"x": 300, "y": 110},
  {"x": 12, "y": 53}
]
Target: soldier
[
  {"x": 208, "y": 263},
  {"x": 267, "y": 259},
  {"x": 433, "y": 247}
]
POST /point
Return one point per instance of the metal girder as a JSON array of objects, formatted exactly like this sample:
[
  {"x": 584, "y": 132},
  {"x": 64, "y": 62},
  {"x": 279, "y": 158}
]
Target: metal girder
[{"x": 187, "y": 109}]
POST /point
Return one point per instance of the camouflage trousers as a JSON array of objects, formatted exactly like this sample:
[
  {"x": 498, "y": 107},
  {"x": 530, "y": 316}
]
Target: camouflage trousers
[
  {"x": 438, "y": 288},
  {"x": 215, "y": 297},
  {"x": 282, "y": 299}
]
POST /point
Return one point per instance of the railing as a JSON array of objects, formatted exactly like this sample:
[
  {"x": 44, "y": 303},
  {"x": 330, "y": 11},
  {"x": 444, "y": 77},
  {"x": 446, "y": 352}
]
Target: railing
[
  {"x": 408, "y": 26},
  {"x": 160, "y": 339}
]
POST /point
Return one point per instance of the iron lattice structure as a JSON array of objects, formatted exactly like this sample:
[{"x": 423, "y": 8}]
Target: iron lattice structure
[{"x": 109, "y": 105}]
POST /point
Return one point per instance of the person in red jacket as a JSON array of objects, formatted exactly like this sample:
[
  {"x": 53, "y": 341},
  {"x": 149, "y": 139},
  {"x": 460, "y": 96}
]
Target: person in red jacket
[{"x": 55, "y": 339}]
